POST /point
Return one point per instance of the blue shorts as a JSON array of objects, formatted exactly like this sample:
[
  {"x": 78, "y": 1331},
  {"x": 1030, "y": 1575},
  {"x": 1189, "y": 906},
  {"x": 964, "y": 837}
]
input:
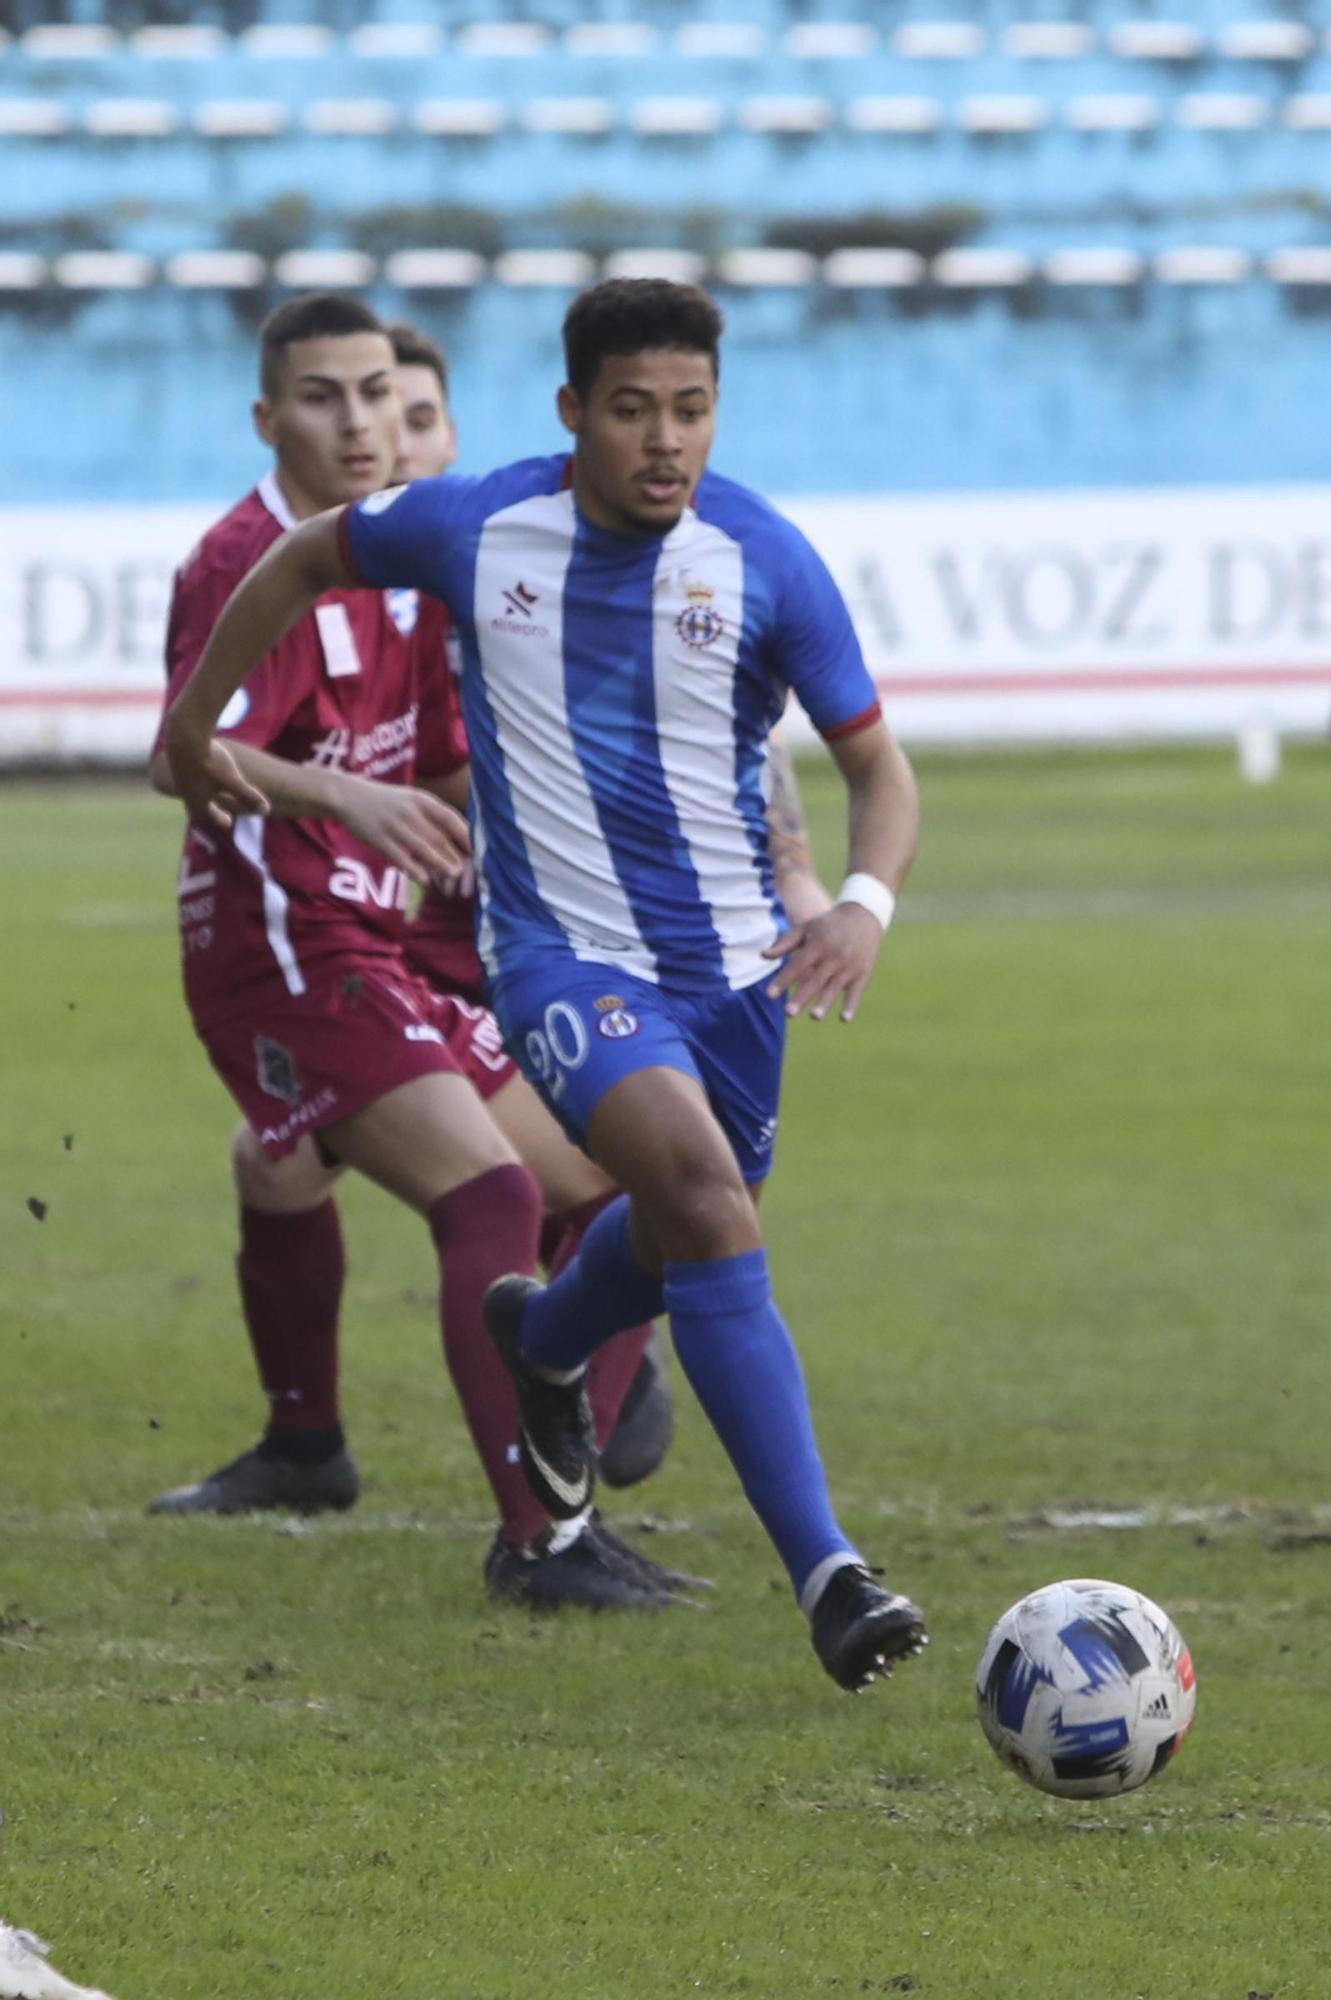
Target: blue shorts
[{"x": 576, "y": 1030}]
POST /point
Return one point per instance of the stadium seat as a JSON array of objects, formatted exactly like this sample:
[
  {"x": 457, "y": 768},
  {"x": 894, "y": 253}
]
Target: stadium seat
[
  {"x": 361, "y": 117},
  {"x": 1001, "y": 114},
  {"x": 288, "y": 41},
  {"x": 677, "y": 117},
  {"x": 1156, "y": 41},
  {"x": 1308, "y": 265},
  {"x": 682, "y": 267},
  {"x": 1202, "y": 264},
  {"x": 435, "y": 270},
  {"x": 938, "y": 41},
  {"x": 1221, "y": 111},
  {"x": 905, "y": 115},
  {"x": 215, "y": 270},
  {"x": 1113, "y": 111},
  {"x": 103, "y": 270},
  {"x": 130, "y": 118},
  {"x": 171, "y": 43},
  {"x": 580, "y": 117},
  {"x": 502, "y": 39},
  {"x": 721, "y": 41},
  {"x": 459, "y": 117},
  {"x": 785, "y": 117},
  {"x": 571, "y": 268},
  {"x": 873, "y": 269},
  {"x": 1266, "y": 41},
  {"x": 1308, "y": 111},
  {"x": 831, "y": 41},
  {"x": 395, "y": 41},
  {"x": 241, "y": 118},
  {"x": 20, "y": 271},
  {"x": 324, "y": 270},
  {"x": 1048, "y": 41},
  {"x": 68, "y": 41},
  {"x": 32, "y": 118},
  {"x": 1094, "y": 266},
  {"x": 763, "y": 269},
  {"x": 982, "y": 269},
  {"x": 626, "y": 39}
]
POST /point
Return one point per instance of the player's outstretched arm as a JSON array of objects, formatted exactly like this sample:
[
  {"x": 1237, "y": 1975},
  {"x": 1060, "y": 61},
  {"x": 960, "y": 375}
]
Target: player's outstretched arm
[
  {"x": 832, "y": 957},
  {"x": 413, "y": 827},
  {"x": 283, "y": 585}
]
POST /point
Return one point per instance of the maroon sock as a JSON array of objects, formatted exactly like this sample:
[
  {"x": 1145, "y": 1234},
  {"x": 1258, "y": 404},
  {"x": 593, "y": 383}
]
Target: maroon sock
[
  {"x": 611, "y": 1370},
  {"x": 482, "y": 1229},
  {"x": 290, "y": 1269}
]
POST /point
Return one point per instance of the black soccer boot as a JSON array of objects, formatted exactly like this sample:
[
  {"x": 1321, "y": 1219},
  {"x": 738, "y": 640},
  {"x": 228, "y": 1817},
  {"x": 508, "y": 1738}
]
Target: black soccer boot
[
  {"x": 585, "y": 1576},
  {"x": 860, "y": 1630},
  {"x": 653, "y": 1574},
  {"x": 645, "y": 1424},
  {"x": 556, "y": 1433},
  {"x": 261, "y": 1479}
]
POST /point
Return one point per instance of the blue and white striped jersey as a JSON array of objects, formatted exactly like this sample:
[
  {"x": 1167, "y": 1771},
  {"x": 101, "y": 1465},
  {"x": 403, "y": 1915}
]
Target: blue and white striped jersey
[{"x": 618, "y": 692}]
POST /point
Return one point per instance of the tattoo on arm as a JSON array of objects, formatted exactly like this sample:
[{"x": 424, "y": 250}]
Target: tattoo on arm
[{"x": 785, "y": 812}]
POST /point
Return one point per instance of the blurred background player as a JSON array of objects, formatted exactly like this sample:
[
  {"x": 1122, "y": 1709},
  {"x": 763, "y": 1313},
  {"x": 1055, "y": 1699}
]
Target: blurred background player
[
  {"x": 337, "y": 1054},
  {"x": 618, "y": 721}
]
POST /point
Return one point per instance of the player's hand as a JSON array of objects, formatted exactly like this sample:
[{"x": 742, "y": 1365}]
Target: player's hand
[
  {"x": 829, "y": 958},
  {"x": 416, "y": 830},
  {"x": 207, "y": 777}
]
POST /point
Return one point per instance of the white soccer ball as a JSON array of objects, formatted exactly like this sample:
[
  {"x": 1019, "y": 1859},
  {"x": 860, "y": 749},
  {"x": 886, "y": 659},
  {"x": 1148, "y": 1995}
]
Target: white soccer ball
[{"x": 1086, "y": 1688}]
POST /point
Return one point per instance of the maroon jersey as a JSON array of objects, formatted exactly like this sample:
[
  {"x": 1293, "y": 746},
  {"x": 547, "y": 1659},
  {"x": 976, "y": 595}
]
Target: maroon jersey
[
  {"x": 440, "y": 944},
  {"x": 355, "y": 684}
]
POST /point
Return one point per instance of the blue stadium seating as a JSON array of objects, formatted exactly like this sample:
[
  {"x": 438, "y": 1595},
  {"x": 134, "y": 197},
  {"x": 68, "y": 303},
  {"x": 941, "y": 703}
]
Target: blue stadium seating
[{"x": 1019, "y": 246}]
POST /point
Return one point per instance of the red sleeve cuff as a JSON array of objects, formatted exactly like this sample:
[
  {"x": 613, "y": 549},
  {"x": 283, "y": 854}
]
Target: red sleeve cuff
[
  {"x": 853, "y": 724},
  {"x": 345, "y": 550}
]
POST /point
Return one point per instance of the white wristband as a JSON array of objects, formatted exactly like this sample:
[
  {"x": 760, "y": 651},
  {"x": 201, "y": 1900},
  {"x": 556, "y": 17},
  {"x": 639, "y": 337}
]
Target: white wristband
[{"x": 871, "y": 894}]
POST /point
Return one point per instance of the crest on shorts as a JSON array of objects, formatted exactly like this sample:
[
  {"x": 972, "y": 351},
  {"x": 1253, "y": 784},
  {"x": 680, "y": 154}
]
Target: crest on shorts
[
  {"x": 700, "y": 624},
  {"x": 617, "y": 1024},
  {"x": 277, "y": 1070}
]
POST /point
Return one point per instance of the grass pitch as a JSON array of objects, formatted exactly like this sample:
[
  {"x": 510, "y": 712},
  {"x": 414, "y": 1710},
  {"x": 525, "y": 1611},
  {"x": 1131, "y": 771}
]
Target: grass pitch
[{"x": 1050, "y": 1224}]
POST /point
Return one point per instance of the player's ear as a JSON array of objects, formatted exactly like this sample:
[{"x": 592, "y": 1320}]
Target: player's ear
[
  {"x": 263, "y": 421},
  {"x": 569, "y": 405}
]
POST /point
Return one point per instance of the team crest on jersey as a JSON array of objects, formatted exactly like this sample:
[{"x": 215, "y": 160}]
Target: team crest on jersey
[
  {"x": 404, "y": 609},
  {"x": 617, "y": 1024},
  {"x": 277, "y": 1071},
  {"x": 377, "y": 503},
  {"x": 700, "y": 625},
  {"x": 607, "y": 1003}
]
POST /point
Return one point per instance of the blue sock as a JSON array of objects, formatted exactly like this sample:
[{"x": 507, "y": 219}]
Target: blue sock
[
  {"x": 602, "y": 1291},
  {"x": 734, "y": 1347}
]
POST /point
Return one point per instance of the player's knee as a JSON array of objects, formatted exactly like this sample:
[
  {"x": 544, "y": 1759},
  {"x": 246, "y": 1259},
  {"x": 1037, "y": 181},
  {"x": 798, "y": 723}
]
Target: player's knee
[
  {"x": 702, "y": 1215},
  {"x": 277, "y": 1187}
]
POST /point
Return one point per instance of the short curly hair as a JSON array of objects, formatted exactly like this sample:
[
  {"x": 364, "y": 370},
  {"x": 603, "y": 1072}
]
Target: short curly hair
[{"x": 633, "y": 316}]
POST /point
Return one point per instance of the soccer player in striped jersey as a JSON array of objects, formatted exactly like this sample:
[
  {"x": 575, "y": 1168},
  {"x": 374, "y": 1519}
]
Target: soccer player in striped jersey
[
  {"x": 626, "y": 1380},
  {"x": 630, "y": 624},
  {"x": 292, "y": 930}
]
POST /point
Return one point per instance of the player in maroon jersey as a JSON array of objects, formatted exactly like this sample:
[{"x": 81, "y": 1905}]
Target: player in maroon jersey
[{"x": 338, "y": 1054}]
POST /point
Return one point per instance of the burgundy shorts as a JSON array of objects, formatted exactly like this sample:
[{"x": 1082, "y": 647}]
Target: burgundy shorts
[{"x": 296, "y": 1063}]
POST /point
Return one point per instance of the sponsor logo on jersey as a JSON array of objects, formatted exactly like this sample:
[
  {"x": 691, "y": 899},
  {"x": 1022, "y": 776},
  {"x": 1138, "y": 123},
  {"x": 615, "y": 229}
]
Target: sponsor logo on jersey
[
  {"x": 235, "y": 711},
  {"x": 357, "y": 881},
  {"x": 519, "y": 602},
  {"x": 379, "y": 503},
  {"x": 618, "y": 1024},
  {"x": 276, "y": 1070},
  {"x": 700, "y": 624}
]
